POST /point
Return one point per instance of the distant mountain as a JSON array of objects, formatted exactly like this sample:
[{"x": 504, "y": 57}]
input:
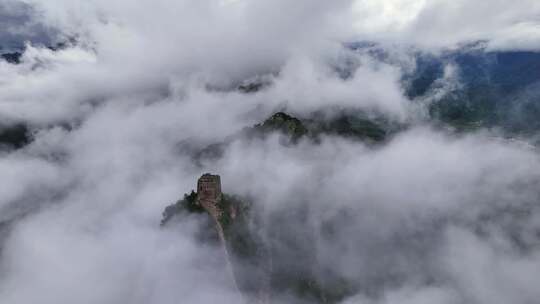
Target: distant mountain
[
  {"x": 12, "y": 57},
  {"x": 496, "y": 89},
  {"x": 352, "y": 125},
  {"x": 13, "y": 54}
]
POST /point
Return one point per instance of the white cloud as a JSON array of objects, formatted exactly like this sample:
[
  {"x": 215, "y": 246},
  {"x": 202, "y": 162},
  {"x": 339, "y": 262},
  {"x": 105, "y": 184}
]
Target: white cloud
[
  {"x": 440, "y": 23},
  {"x": 113, "y": 111}
]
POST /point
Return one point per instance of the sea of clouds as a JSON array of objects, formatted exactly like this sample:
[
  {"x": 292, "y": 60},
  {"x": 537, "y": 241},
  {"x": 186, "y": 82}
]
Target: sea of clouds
[{"x": 453, "y": 217}]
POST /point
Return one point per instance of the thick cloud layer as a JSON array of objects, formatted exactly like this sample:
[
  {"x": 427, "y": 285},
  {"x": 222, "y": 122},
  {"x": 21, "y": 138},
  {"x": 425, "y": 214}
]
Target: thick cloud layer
[
  {"x": 440, "y": 23},
  {"x": 432, "y": 217}
]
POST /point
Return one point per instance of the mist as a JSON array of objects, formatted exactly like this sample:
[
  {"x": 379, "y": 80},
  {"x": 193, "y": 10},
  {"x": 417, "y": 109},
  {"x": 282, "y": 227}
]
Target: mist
[{"x": 428, "y": 216}]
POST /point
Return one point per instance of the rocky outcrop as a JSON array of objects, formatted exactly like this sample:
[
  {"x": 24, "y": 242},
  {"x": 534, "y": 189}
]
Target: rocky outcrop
[
  {"x": 244, "y": 254},
  {"x": 210, "y": 198},
  {"x": 267, "y": 258},
  {"x": 352, "y": 125},
  {"x": 281, "y": 122}
]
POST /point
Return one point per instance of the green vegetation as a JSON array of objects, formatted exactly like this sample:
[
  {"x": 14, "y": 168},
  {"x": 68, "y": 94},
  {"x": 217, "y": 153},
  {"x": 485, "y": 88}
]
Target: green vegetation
[
  {"x": 281, "y": 122},
  {"x": 246, "y": 249},
  {"x": 497, "y": 90},
  {"x": 355, "y": 126},
  {"x": 236, "y": 222},
  {"x": 251, "y": 254},
  {"x": 186, "y": 205},
  {"x": 351, "y": 125},
  {"x": 466, "y": 111}
]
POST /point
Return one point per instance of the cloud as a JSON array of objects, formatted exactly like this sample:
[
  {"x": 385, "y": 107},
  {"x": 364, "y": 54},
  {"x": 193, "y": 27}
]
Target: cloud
[
  {"x": 427, "y": 217},
  {"x": 487, "y": 269},
  {"x": 447, "y": 24},
  {"x": 391, "y": 210},
  {"x": 19, "y": 24}
]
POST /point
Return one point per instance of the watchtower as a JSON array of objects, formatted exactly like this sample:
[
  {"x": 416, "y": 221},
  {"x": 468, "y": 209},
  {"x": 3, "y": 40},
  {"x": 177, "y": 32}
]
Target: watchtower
[{"x": 209, "y": 187}]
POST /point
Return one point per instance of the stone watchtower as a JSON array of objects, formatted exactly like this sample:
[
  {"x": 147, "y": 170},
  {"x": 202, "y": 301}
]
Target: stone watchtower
[
  {"x": 209, "y": 197},
  {"x": 209, "y": 188}
]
